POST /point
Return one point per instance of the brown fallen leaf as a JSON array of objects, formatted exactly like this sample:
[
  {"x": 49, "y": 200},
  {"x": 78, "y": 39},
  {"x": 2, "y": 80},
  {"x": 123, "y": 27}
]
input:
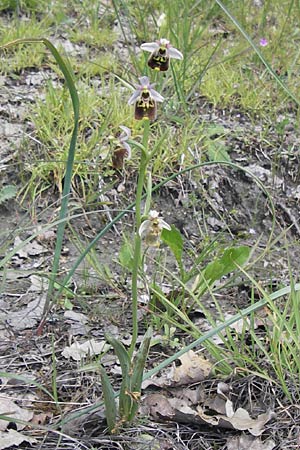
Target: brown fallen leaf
[
  {"x": 175, "y": 409},
  {"x": 193, "y": 368},
  {"x": 238, "y": 420},
  {"x": 9, "y": 408},
  {"x": 216, "y": 404},
  {"x": 162, "y": 409},
  {"x": 28, "y": 249},
  {"x": 158, "y": 407},
  {"x": 12, "y": 437},
  {"x": 26, "y": 317},
  {"x": 41, "y": 418},
  {"x": 246, "y": 442}
]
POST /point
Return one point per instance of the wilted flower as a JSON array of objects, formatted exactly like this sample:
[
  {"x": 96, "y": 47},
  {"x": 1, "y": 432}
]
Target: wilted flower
[
  {"x": 151, "y": 229},
  {"x": 145, "y": 98},
  {"x": 263, "y": 42},
  {"x": 161, "y": 52},
  {"x": 123, "y": 149}
]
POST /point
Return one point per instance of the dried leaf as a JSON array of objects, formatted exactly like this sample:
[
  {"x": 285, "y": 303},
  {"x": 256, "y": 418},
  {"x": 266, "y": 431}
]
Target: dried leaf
[
  {"x": 242, "y": 421},
  {"x": 216, "y": 404},
  {"x": 158, "y": 407},
  {"x": 247, "y": 442},
  {"x": 12, "y": 437},
  {"x": 41, "y": 418},
  {"x": 79, "y": 351},
  {"x": 25, "y": 317},
  {"x": 193, "y": 368},
  {"x": 38, "y": 284},
  {"x": 223, "y": 389},
  {"x": 76, "y": 317},
  {"x": 11, "y": 409},
  {"x": 28, "y": 249},
  {"x": 178, "y": 410},
  {"x": 238, "y": 420}
]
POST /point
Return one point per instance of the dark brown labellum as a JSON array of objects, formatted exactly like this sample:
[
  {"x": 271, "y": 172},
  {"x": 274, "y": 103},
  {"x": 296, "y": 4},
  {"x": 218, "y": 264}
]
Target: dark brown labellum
[
  {"x": 145, "y": 107},
  {"x": 159, "y": 60},
  {"x": 118, "y": 158}
]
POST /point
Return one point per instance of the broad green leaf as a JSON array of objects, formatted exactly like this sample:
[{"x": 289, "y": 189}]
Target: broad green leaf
[
  {"x": 140, "y": 361},
  {"x": 7, "y": 193},
  {"x": 232, "y": 257},
  {"x": 109, "y": 400},
  {"x": 214, "y": 130},
  {"x": 120, "y": 351},
  {"x": 173, "y": 239},
  {"x": 125, "y": 256},
  {"x": 217, "y": 151},
  {"x": 138, "y": 370},
  {"x": 123, "y": 356}
]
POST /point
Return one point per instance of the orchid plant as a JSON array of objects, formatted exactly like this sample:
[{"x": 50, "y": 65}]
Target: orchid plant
[{"x": 148, "y": 228}]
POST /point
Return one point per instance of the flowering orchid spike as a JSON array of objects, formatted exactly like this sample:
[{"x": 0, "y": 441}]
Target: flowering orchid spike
[
  {"x": 144, "y": 98},
  {"x": 161, "y": 52},
  {"x": 151, "y": 229}
]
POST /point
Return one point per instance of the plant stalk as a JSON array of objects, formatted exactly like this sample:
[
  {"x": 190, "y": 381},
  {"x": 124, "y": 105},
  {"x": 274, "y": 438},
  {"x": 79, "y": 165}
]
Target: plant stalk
[{"x": 137, "y": 241}]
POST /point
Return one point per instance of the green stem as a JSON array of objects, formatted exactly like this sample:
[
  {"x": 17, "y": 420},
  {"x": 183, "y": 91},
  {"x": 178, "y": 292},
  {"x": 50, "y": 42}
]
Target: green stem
[{"x": 137, "y": 241}]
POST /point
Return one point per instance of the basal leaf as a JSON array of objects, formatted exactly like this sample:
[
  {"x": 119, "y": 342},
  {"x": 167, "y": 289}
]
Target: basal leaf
[
  {"x": 7, "y": 192},
  {"x": 109, "y": 400},
  {"x": 228, "y": 262}
]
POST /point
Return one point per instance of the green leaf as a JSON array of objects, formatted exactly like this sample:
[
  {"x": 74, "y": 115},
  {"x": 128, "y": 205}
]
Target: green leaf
[
  {"x": 120, "y": 351},
  {"x": 138, "y": 370},
  {"x": 214, "y": 130},
  {"x": 126, "y": 256},
  {"x": 140, "y": 361},
  {"x": 109, "y": 400},
  {"x": 232, "y": 257},
  {"x": 173, "y": 239},
  {"x": 7, "y": 192},
  {"x": 217, "y": 151},
  {"x": 123, "y": 356}
]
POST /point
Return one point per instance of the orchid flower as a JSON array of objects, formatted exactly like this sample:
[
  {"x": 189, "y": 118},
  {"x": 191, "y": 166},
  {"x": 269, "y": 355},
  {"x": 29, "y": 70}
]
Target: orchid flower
[
  {"x": 145, "y": 98},
  {"x": 123, "y": 150},
  {"x": 161, "y": 52},
  {"x": 151, "y": 229}
]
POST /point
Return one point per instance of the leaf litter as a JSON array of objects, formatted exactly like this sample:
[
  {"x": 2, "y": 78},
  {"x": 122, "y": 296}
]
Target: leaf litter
[
  {"x": 217, "y": 410},
  {"x": 8, "y": 436}
]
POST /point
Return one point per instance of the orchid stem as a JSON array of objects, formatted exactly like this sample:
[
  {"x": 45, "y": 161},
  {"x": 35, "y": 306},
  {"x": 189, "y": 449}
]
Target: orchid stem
[{"x": 138, "y": 242}]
